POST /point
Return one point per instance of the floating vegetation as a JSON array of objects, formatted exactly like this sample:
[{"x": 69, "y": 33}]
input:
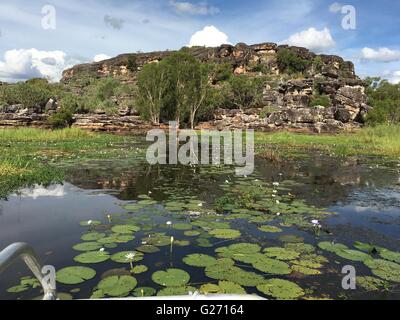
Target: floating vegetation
[
  {"x": 343, "y": 251},
  {"x": 75, "y": 275},
  {"x": 371, "y": 283},
  {"x": 171, "y": 277},
  {"x": 271, "y": 266},
  {"x": 225, "y": 233},
  {"x": 92, "y": 236},
  {"x": 384, "y": 269},
  {"x": 223, "y": 287},
  {"x": 176, "y": 291},
  {"x": 281, "y": 253},
  {"x": 147, "y": 248},
  {"x": 125, "y": 229},
  {"x": 92, "y": 257},
  {"x": 144, "y": 292},
  {"x": 281, "y": 289},
  {"x": 87, "y": 246},
  {"x": 114, "y": 286},
  {"x": 199, "y": 260},
  {"x": 139, "y": 269},
  {"x": 270, "y": 229},
  {"x": 26, "y": 283},
  {"x": 182, "y": 226},
  {"x": 127, "y": 256}
]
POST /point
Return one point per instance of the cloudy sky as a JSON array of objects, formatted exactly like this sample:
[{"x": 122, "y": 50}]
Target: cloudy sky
[{"x": 40, "y": 38}]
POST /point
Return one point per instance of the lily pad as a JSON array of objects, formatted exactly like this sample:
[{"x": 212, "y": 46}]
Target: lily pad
[
  {"x": 305, "y": 270},
  {"x": 272, "y": 266},
  {"x": 191, "y": 233},
  {"x": 92, "y": 236},
  {"x": 281, "y": 289},
  {"x": 226, "y": 271},
  {"x": 281, "y": 253},
  {"x": 225, "y": 233},
  {"x": 199, "y": 260},
  {"x": 147, "y": 248},
  {"x": 125, "y": 229},
  {"x": 139, "y": 269},
  {"x": 371, "y": 283},
  {"x": 390, "y": 255},
  {"x": 270, "y": 229},
  {"x": 182, "y": 226},
  {"x": 75, "y": 275},
  {"x": 92, "y": 257},
  {"x": 123, "y": 257},
  {"x": 117, "y": 286},
  {"x": 87, "y": 246},
  {"x": 171, "y": 277},
  {"x": 223, "y": 287},
  {"x": 384, "y": 269},
  {"x": 176, "y": 291},
  {"x": 144, "y": 292}
]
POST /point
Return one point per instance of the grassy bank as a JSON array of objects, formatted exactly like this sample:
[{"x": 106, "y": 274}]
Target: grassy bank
[
  {"x": 381, "y": 141},
  {"x": 27, "y": 155}
]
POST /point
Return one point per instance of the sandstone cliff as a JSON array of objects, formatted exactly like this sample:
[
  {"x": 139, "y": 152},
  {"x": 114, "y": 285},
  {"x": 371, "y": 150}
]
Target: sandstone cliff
[{"x": 285, "y": 103}]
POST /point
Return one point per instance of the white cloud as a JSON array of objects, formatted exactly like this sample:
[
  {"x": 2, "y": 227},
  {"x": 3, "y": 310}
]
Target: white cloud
[
  {"x": 394, "y": 77},
  {"x": 194, "y": 9},
  {"x": 210, "y": 36},
  {"x": 312, "y": 39},
  {"x": 100, "y": 57},
  {"x": 40, "y": 191},
  {"x": 335, "y": 7},
  {"x": 381, "y": 55},
  {"x": 23, "y": 64}
]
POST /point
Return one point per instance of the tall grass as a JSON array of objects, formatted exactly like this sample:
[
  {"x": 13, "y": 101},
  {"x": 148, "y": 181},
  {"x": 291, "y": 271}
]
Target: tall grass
[
  {"x": 26, "y": 154},
  {"x": 382, "y": 140}
]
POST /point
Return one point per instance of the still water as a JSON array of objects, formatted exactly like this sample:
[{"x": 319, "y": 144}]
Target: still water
[{"x": 362, "y": 197}]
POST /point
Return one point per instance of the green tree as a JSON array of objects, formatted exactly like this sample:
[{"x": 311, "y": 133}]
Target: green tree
[
  {"x": 290, "y": 62},
  {"x": 246, "y": 92},
  {"x": 385, "y": 98},
  {"x": 190, "y": 84},
  {"x": 153, "y": 86}
]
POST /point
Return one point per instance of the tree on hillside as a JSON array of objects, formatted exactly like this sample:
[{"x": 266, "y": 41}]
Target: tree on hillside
[
  {"x": 385, "y": 98},
  {"x": 190, "y": 82},
  {"x": 153, "y": 85},
  {"x": 246, "y": 92}
]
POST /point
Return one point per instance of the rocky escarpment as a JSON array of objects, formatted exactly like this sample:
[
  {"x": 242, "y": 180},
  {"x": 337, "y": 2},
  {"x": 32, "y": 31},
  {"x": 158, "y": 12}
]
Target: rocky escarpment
[{"x": 286, "y": 102}]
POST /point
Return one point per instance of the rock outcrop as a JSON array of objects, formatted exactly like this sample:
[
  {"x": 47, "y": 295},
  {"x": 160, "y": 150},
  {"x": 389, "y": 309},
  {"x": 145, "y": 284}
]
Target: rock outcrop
[{"x": 286, "y": 103}]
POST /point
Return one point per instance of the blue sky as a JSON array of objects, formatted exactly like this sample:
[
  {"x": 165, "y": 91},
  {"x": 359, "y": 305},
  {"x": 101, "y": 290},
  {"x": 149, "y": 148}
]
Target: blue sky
[{"x": 105, "y": 28}]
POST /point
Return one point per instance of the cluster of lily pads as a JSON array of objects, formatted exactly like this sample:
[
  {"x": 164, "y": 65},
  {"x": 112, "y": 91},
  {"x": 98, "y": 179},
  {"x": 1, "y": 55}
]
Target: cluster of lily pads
[{"x": 244, "y": 238}]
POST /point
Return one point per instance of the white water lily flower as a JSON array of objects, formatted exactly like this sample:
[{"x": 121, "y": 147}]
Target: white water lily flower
[
  {"x": 89, "y": 222},
  {"x": 276, "y": 184},
  {"x": 275, "y": 191},
  {"x": 150, "y": 192},
  {"x": 274, "y": 196},
  {"x": 278, "y": 214},
  {"x": 226, "y": 181},
  {"x": 200, "y": 204},
  {"x": 130, "y": 256},
  {"x": 102, "y": 250},
  {"x": 169, "y": 223},
  {"x": 172, "y": 239},
  {"x": 315, "y": 222},
  {"x": 278, "y": 202}
]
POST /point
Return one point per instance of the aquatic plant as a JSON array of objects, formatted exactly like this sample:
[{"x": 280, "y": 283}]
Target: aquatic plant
[{"x": 75, "y": 275}]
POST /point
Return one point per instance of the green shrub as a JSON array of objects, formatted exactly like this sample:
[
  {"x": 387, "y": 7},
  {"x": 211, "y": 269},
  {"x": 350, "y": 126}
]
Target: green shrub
[
  {"x": 384, "y": 97},
  {"x": 290, "y": 62},
  {"x": 246, "y": 92},
  {"x": 35, "y": 92},
  {"x": 132, "y": 64},
  {"x": 61, "y": 119},
  {"x": 320, "y": 100}
]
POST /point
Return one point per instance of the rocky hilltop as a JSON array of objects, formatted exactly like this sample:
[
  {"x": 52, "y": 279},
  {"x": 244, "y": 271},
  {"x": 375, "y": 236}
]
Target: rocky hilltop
[{"x": 286, "y": 99}]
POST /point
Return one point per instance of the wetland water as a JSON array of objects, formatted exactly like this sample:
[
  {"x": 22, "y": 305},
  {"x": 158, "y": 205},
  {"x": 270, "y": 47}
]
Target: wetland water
[{"x": 251, "y": 232}]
